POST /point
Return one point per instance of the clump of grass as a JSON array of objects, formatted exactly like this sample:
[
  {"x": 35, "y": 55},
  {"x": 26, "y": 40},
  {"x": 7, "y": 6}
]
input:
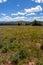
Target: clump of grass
[
  {"x": 11, "y": 47},
  {"x": 12, "y": 39},
  {"x": 23, "y": 53},
  {"x": 38, "y": 62},
  {"x": 15, "y": 59},
  {"x": 4, "y": 50}
]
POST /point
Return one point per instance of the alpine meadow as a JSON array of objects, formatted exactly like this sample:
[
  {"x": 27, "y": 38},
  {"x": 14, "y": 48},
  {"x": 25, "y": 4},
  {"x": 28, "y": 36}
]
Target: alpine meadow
[{"x": 21, "y": 32}]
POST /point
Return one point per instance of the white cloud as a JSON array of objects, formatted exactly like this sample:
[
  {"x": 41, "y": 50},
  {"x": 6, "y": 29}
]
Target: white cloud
[
  {"x": 25, "y": 15},
  {"x": 29, "y": 11},
  {"x": 40, "y": 18},
  {"x": 34, "y": 9},
  {"x": 1, "y": 1},
  {"x": 8, "y": 18},
  {"x": 21, "y": 18},
  {"x": 38, "y": 1},
  {"x": 18, "y": 13},
  {"x": 14, "y": 14},
  {"x": 30, "y": 14}
]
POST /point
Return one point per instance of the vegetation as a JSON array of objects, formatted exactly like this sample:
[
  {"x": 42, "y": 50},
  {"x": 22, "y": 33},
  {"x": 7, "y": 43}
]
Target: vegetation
[
  {"x": 23, "y": 54},
  {"x": 4, "y": 50},
  {"x": 20, "y": 44},
  {"x": 36, "y": 23},
  {"x": 15, "y": 59},
  {"x": 25, "y": 23}
]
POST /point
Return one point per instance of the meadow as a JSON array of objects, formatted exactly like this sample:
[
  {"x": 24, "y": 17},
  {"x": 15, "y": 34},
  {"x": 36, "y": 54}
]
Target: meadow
[{"x": 21, "y": 44}]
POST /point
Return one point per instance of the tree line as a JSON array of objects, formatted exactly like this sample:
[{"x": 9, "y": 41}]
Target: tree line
[{"x": 25, "y": 23}]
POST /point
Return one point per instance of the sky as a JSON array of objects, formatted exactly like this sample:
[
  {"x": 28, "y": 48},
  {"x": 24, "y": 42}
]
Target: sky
[{"x": 16, "y": 10}]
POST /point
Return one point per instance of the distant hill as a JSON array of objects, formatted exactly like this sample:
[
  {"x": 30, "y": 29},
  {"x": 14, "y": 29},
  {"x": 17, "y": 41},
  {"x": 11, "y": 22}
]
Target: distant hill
[{"x": 33, "y": 23}]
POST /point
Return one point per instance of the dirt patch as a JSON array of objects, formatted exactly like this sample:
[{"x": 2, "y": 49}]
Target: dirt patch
[
  {"x": 30, "y": 63},
  {"x": 38, "y": 45},
  {"x": 9, "y": 63}
]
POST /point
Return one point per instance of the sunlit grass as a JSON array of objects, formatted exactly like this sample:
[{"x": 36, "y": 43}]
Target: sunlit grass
[{"x": 16, "y": 38}]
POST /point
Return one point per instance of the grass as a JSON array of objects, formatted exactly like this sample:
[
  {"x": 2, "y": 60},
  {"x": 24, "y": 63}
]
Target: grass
[{"x": 13, "y": 39}]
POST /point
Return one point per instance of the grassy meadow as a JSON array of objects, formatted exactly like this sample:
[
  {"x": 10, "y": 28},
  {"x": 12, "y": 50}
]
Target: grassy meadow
[{"x": 21, "y": 44}]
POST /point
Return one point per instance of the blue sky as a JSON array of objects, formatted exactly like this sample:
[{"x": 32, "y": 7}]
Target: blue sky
[{"x": 15, "y": 10}]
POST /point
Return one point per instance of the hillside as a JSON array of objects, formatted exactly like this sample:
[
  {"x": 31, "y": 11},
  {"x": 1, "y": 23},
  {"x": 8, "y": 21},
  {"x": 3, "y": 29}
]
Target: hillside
[{"x": 20, "y": 45}]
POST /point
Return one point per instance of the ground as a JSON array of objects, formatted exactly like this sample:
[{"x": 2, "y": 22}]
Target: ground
[{"x": 13, "y": 39}]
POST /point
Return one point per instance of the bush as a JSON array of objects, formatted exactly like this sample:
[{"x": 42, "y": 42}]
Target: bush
[
  {"x": 12, "y": 39},
  {"x": 23, "y": 53},
  {"x": 15, "y": 59},
  {"x": 4, "y": 50},
  {"x": 11, "y": 47}
]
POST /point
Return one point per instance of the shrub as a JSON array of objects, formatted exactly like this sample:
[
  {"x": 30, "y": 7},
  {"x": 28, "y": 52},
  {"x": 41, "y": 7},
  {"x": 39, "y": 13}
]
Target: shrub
[
  {"x": 23, "y": 53},
  {"x": 4, "y": 50},
  {"x": 11, "y": 47},
  {"x": 12, "y": 39},
  {"x": 15, "y": 59}
]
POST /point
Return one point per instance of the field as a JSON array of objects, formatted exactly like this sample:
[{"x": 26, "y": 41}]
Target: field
[{"x": 21, "y": 44}]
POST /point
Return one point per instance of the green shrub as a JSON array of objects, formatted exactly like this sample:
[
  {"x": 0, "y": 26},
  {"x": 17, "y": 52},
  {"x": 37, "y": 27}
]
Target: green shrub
[
  {"x": 11, "y": 47},
  {"x": 12, "y": 39},
  {"x": 23, "y": 53},
  {"x": 15, "y": 59},
  {"x": 4, "y": 50}
]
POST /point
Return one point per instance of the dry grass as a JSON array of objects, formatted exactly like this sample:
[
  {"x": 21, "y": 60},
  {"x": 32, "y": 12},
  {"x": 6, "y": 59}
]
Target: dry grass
[{"x": 15, "y": 38}]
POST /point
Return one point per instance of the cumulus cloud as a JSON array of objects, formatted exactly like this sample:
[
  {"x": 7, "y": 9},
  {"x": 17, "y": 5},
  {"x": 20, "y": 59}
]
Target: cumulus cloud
[
  {"x": 18, "y": 13},
  {"x": 8, "y": 18},
  {"x": 21, "y": 18},
  {"x": 40, "y": 18},
  {"x": 38, "y": 1},
  {"x": 24, "y": 15},
  {"x": 32, "y": 18},
  {"x": 34, "y": 9},
  {"x": 30, "y": 14},
  {"x": 1, "y": 1},
  {"x": 29, "y": 11}
]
